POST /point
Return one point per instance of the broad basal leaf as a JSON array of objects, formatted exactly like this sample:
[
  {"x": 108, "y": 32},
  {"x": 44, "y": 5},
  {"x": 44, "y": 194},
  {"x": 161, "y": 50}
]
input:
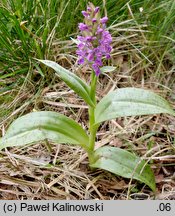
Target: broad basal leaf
[
  {"x": 39, "y": 126},
  {"x": 130, "y": 102},
  {"x": 73, "y": 81},
  {"x": 125, "y": 164}
]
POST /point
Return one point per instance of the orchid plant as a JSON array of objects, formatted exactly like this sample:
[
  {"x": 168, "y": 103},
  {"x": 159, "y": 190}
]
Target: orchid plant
[{"x": 94, "y": 44}]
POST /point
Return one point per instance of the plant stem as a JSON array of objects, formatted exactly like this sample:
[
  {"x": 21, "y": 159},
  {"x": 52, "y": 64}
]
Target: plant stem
[
  {"x": 48, "y": 146},
  {"x": 92, "y": 128}
]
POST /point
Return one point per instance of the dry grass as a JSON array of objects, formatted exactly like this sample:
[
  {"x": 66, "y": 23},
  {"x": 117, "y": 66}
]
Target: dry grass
[{"x": 36, "y": 173}]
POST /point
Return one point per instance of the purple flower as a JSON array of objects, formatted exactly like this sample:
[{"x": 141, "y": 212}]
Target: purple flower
[
  {"x": 96, "y": 10},
  {"x": 95, "y": 40},
  {"x": 108, "y": 56},
  {"x": 89, "y": 9},
  {"x": 85, "y": 13},
  {"x": 90, "y": 56},
  {"x": 94, "y": 20},
  {"x": 96, "y": 69},
  {"x": 81, "y": 61},
  {"x": 89, "y": 38},
  {"x": 103, "y": 20},
  {"x": 99, "y": 30},
  {"x": 82, "y": 27}
]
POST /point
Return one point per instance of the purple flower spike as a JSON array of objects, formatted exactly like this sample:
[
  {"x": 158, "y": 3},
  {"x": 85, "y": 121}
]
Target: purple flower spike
[
  {"x": 103, "y": 20},
  {"x": 94, "y": 40}
]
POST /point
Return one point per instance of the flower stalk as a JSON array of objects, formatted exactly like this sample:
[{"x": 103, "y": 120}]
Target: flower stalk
[
  {"x": 94, "y": 44},
  {"x": 92, "y": 127}
]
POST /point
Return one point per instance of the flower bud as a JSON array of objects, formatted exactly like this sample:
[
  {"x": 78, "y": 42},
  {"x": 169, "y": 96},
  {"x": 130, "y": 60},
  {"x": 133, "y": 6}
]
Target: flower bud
[
  {"x": 96, "y": 10},
  {"x": 103, "y": 20},
  {"x": 85, "y": 13}
]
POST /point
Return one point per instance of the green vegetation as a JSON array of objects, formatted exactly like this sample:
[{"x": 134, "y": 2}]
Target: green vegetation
[{"x": 29, "y": 28}]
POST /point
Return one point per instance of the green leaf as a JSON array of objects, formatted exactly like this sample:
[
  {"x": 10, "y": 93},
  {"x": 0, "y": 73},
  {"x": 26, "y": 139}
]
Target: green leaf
[
  {"x": 38, "y": 126},
  {"x": 125, "y": 164},
  {"x": 72, "y": 80},
  {"x": 107, "y": 69},
  {"x": 130, "y": 102}
]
